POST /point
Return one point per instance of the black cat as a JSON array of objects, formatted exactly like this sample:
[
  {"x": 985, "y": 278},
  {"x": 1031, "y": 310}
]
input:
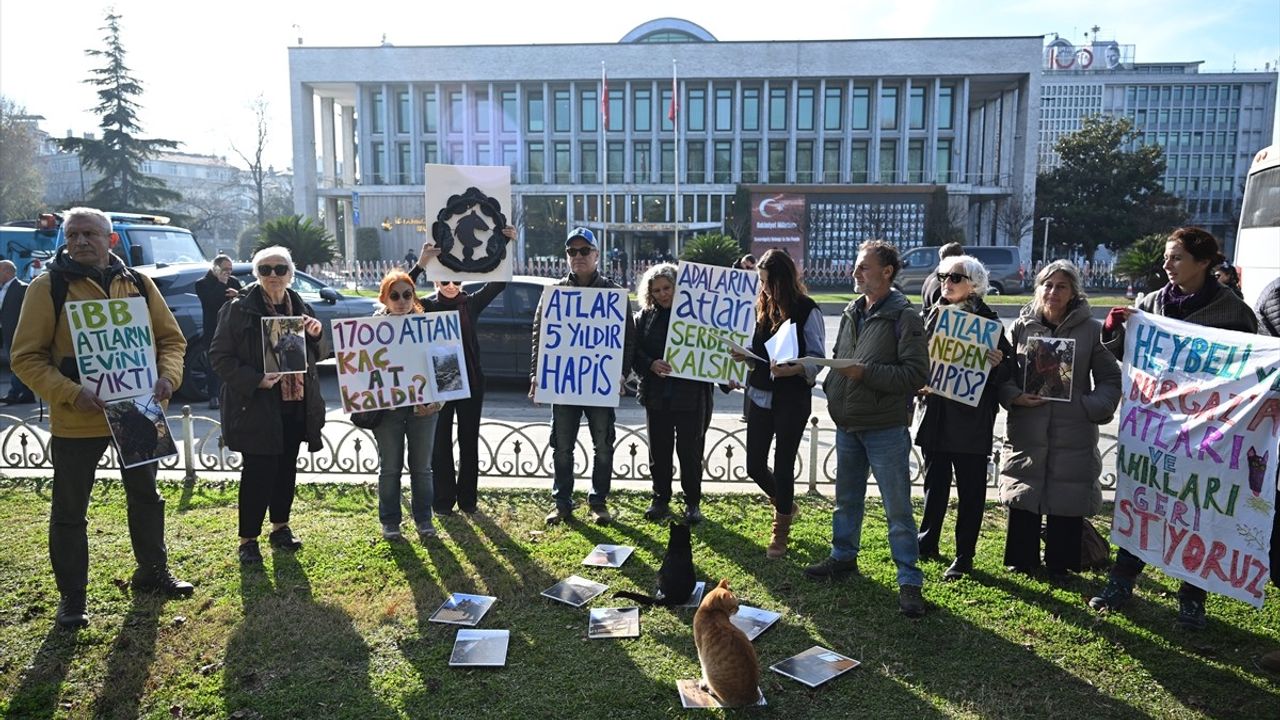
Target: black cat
[{"x": 676, "y": 579}]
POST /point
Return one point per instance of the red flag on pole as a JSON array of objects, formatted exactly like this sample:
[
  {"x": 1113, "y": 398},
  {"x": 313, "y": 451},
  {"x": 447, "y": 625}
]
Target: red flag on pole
[
  {"x": 604, "y": 96},
  {"x": 675, "y": 94}
]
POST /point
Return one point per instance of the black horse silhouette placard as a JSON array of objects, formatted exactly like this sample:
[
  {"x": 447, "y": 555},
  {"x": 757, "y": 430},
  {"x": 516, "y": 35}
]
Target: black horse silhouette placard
[{"x": 467, "y": 204}]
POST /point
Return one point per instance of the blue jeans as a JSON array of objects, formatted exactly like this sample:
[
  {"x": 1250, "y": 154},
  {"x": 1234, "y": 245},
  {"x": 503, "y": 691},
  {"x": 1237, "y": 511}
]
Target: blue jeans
[
  {"x": 887, "y": 453},
  {"x": 397, "y": 425},
  {"x": 565, "y": 421}
]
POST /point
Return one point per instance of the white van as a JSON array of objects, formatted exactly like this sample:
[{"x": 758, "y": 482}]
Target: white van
[{"x": 1258, "y": 241}]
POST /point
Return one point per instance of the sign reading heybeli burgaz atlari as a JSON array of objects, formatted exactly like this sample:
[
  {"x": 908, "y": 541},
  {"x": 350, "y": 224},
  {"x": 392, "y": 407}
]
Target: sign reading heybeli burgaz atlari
[
  {"x": 710, "y": 303},
  {"x": 581, "y": 339},
  {"x": 958, "y": 366},
  {"x": 391, "y": 361},
  {"x": 115, "y": 348},
  {"x": 1196, "y": 453}
]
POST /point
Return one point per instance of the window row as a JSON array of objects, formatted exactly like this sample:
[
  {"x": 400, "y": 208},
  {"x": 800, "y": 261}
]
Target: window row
[
  {"x": 1187, "y": 141},
  {"x": 1199, "y": 116},
  {"x": 1143, "y": 94}
]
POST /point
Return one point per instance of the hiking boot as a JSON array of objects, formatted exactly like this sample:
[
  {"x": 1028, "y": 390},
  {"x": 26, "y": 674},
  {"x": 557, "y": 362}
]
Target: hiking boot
[
  {"x": 600, "y": 515},
  {"x": 250, "y": 554},
  {"x": 162, "y": 581},
  {"x": 284, "y": 539},
  {"x": 911, "y": 600},
  {"x": 657, "y": 511},
  {"x": 426, "y": 529},
  {"x": 71, "y": 611},
  {"x": 832, "y": 568},
  {"x": 391, "y": 532},
  {"x": 960, "y": 567},
  {"x": 1191, "y": 614},
  {"x": 692, "y": 515},
  {"x": 1114, "y": 595},
  {"x": 558, "y": 515}
]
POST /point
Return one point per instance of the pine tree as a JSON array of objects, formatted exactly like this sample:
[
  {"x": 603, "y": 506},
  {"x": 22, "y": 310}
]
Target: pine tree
[{"x": 119, "y": 154}]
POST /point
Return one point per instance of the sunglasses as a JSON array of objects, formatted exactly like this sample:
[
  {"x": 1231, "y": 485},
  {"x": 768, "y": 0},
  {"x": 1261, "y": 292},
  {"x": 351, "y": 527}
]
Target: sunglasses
[
  {"x": 265, "y": 270},
  {"x": 583, "y": 251},
  {"x": 954, "y": 277},
  {"x": 450, "y": 282},
  {"x": 395, "y": 296}
]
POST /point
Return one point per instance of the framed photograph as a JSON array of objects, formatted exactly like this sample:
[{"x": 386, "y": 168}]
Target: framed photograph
[
  {"x": 284, "y": 345},
  {"x": 140, "y": 431},
  {"x": 692, "y": 696},
  {"x": 480, "y": 648},
  {"x": 575, "y": 591},
  {"x": 449, "y": 379},
  {"x": 463, "y": 609},
  {"x": 1050, "y": 363},
  {"x": 753, "y": 621},
  {"x": 696, "y": 598},
  {"x": 614, "y": 623},
  {"x": 608, "y": 555},
  {"x": 815, "y": 666}
]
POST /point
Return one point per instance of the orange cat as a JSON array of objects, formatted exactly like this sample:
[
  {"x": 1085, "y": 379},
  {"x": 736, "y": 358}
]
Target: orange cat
[{"x": 729, "y": 665}]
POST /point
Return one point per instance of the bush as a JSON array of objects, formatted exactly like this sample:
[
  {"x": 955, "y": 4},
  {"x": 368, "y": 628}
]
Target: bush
[
  {"x": 309, "y": 243},
  {"x": 711, "y": 249},
  {"x": 1143, "y": 262},
  {"x": 368, "y": 247}
]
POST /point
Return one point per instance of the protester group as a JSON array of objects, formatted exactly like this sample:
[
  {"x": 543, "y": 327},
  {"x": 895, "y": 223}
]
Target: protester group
[{"x": 946, "y": 368}]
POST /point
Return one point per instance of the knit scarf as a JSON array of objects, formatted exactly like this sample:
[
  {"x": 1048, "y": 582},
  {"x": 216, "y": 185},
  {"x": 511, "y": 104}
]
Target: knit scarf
[
  {"x": 1178, "y": 305},
  {"x": 291, "y": 385}
]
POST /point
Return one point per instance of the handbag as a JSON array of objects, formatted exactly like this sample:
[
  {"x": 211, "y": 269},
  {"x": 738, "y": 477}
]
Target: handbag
[
  {"x": 1095, "y": 551},
  {"x": 368, "y": 419}
]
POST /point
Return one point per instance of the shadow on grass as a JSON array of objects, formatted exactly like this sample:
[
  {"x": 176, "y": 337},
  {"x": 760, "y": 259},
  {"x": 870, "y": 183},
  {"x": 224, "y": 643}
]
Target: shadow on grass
[
  {"x": 38, "y": 690},
  {"x": 129, "y": 663}
]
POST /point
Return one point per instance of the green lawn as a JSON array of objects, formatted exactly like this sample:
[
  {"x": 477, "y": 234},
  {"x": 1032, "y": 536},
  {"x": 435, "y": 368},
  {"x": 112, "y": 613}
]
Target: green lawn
[{"x": 339, "y": 630}]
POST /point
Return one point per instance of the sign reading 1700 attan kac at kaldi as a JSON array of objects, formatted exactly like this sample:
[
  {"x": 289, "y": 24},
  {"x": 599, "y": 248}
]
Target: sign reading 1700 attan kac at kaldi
[{"x": 778, "y": 221}]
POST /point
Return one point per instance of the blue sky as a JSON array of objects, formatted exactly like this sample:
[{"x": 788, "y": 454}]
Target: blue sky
[{"x": 201, "y": 64}]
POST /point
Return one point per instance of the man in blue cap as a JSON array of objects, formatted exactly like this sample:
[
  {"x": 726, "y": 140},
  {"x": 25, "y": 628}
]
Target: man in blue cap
[{"x": 584, "y": 257}]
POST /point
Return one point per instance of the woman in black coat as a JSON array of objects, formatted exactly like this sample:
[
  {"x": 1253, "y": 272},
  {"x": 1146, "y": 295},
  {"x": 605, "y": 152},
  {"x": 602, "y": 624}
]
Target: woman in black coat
[
  {"x": 267, "y": 416},
  {"x": 956, "y": 436}
]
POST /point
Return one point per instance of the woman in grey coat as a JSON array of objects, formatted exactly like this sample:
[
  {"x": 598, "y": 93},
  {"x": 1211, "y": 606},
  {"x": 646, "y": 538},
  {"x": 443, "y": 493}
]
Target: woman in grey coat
[{"x": 1050, "y": 463}]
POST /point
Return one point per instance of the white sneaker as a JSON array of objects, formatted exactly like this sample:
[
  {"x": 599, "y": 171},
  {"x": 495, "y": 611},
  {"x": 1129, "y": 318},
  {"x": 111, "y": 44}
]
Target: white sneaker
[
  {"x": 427, "y": 529},
  {"x": 391, "y": 532}
]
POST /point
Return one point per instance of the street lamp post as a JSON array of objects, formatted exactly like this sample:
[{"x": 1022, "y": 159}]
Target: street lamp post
[{"x": 1044, "y": 253}]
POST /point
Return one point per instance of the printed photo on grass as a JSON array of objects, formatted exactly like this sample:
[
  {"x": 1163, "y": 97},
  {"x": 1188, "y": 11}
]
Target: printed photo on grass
[
  {"x": 614, "y": 623},
  {"x": 284, "y": 345},
  {"x": 815, "y": 666},
  {"x": 480, "y": 648},
  {"x": 463, "y": 609},
  {"x": 140, "y": 431},
  {"x": 696, "y": 598},
  {"x": 693, "y": 696},
  {"x": 608, "y": 555},
  {"x": 753, "y": 620},
  {"x": 1050, "y": 362},
  {"x": 575, "y": 591}
]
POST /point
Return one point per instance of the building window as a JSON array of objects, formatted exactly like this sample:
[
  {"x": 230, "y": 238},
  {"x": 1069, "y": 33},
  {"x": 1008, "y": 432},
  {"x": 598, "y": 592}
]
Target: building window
[
  {"x": 664, "y": 111},
  {"x": 640, "y": 152},
  {"x": 483, "y": 155},
  {"x": 430, "y": 111},
  {"x": 888, "y": 161},
  {"x": 616, "y": 119},
  {"x": 750, "y": 161},
  {"x": 804, "y": 108},
  {"x": 560, "y": 111},
  {"x": 777, "y": 161},
  {"x": 377, "y": 163},
  {"x": 616, "y": 162},
  {"x": 915, "y": 161},
  {"x": 536, "y": 120},
  {"x": 751, "y": 109},
  {"x": 430, "y": 153},
  {"x": 697, "y": 115},
  {"x": 536, "y": 164},
  {"x": 667, "y": 172},
  {"x": 696, "y": 158},
  {"x": 723, "y": 162},
  {"x": 589, "y": 164},
  {"x": 455, "y": 112},
  {"x": 804, "y": 161},
  {"x": 942, "y": 162},
  {"x": 724, "y": 109},
  {"x": 375, "y": 112},
  {"x": 917, "y": 108},
  {"x": 889, "y": 108},
  {"x": 455, "y": 154},
  {"x": 404, "y": 164},
  {"x": 482, "y": 113},
  {"x": 590, "y": 111},
  {"x": 861, "y": 119},
  {"x": 831, "y": 108},
  {"x": 510, "y": 111},
  {"x": 402, "y": 111},
  {"x": 510, "y": 157},
  {"x": 831, "y": 161},
  {"x": 561, "y": 169},
  {"x": 643, "y": 103},
  {"x": 777, "y": 109}
]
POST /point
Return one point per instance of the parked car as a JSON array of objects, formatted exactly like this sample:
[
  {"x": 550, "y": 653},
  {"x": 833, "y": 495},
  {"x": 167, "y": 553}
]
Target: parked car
[
  {"x": 177, "y": 284},
  {"x": 505, "y": 329},
  {"x": 1003, "y": 262}
]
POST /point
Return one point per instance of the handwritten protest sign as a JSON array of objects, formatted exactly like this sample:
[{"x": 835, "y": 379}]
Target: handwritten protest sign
[
  {"x": 1196, "y": 453},
  {"x": 115, "y": 348},
  {"x": 958, "y": 367},
  {"x": 710, "y": 303},
  {"x": 385, "y": 362},
  {"x": 580, "y": 346}
]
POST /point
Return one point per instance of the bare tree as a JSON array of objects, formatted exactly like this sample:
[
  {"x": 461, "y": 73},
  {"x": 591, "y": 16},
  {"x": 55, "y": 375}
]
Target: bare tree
[
  {"x": 1016, "y": 217},
  {"x": 21, "y": 184},
  {"x": 257, "y": 170}
]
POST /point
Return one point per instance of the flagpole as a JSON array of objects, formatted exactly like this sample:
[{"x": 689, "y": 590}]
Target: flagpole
[
  {"x": 604, "y": 160},
  {"x": 675, "y": 126}
]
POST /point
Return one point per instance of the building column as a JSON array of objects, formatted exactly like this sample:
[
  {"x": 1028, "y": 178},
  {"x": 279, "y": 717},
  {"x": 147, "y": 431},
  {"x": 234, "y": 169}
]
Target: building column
[
  {"x": 348, "y": 146},
  {"x": 328, "y": 154},
  {"x": 302, "y": 100}
]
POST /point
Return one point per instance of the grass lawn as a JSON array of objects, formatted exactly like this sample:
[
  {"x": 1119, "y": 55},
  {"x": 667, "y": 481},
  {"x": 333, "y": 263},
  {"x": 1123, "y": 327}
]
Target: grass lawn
[{"x": 339, "y": 630}]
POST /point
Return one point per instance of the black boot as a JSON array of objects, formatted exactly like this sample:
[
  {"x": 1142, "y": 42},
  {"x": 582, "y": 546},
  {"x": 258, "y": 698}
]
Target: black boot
[{"x": 71, "y": 611}]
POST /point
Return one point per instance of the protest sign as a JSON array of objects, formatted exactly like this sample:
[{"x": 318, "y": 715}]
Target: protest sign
[
  {"x": 1196, "y": 453},
  {"x": 467, "y": 206},
  {"x": 582, "y": 335},
  {"x": 140, "y": 431},
  {"x": 386, "y": 362},
  {"x": 1050, "y": 367},
  {"x": 115, "y": 348},
  {"x": 284, "y": 344},
  {"x": 710, "y": 303},
  {"x": 958, "y": 366}
]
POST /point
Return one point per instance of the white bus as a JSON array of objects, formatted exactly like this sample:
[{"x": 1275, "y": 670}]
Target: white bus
[{"x": 1258, "y": 242}]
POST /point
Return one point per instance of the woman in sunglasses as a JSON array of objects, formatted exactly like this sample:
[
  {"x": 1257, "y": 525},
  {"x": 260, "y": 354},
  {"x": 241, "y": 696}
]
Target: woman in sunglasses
[
  {"x": 460, "y": 487},
  {"x": 955, "y": 436},
  {"x": 414, "y": 425},
  {"x": 267, "y": 416}
]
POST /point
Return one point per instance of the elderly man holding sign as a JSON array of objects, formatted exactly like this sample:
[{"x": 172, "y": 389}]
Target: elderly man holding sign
[
  {"x": 578, "y": 364},
  {"x": 86, "y": 273}
]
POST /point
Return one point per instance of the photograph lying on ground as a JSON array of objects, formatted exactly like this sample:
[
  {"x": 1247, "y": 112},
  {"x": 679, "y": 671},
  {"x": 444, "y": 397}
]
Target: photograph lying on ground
[
  {"x": 614, "y": 623},
  {"x": 815, "y": 666},
  {"x": 574, "y": 590},
  {"x": 463, "y": 609},
  {"x": 480, "y": 648}
]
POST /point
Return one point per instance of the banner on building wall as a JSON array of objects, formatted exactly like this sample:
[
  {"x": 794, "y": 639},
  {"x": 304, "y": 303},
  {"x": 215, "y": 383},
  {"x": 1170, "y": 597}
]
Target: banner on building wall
[
  {"x": 115, "y": 348},
  {"x": 580, "y": 346},
  {"x": 1196, "y": 453},
  {"x": 467, "y": 207},
  {"x": 778, "y": 221},
  {"x": 710, "y": 304},
  {"x": 393, "y": 361},
  {"x": 958, "y": 365}
]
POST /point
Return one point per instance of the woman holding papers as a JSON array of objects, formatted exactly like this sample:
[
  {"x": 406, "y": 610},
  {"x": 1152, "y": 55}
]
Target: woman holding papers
[
  {"x": 267, "y": 416},
  {"x": 1192, "y": 295},
  {"x": 675, "y": 409},
  {"x": 788, "y": 326},
  {"x": 1050, "y": 465},
  {"x": 412, "y": 425},
  {"x": 956, "y": 435}
]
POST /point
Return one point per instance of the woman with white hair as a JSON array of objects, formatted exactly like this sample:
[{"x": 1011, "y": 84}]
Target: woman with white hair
[
  {"x": 1050, "y": 466},
  {"x": 675, "y": 409},
  {"x": 954, "y": 435},
  {"x": 266, "y": 416}
]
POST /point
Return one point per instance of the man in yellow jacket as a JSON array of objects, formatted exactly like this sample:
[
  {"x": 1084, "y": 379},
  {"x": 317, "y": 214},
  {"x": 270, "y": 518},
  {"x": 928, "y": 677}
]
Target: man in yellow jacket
[{"x": 44, "y": 358}]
